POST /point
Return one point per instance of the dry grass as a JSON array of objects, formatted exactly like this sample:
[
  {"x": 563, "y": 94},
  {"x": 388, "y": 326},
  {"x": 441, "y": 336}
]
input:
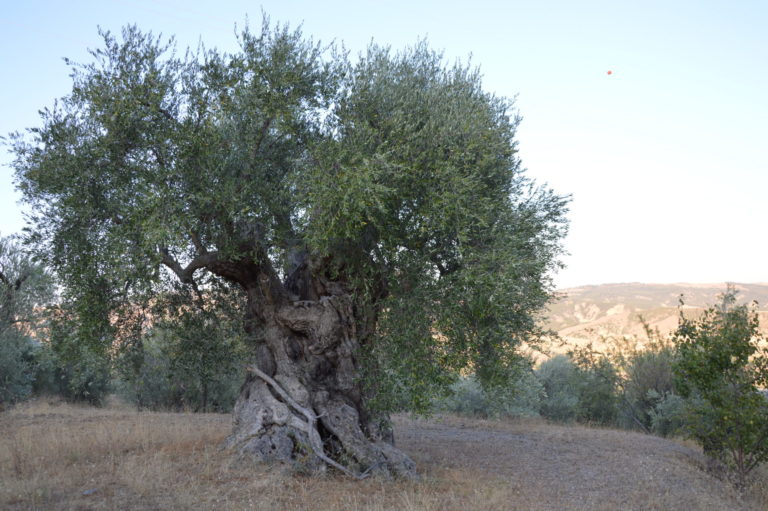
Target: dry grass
[{"x": 58, "y": 456}]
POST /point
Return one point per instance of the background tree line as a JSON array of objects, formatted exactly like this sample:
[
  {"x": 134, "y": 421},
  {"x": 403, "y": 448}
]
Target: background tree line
[{"x": 189, "y": 361}]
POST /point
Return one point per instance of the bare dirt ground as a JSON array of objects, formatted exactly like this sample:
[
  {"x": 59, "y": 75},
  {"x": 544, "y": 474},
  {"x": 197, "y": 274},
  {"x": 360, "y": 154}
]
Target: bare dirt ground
[
  {"x": 570, "y": 467},
  {"x": 58, "y": 456}
]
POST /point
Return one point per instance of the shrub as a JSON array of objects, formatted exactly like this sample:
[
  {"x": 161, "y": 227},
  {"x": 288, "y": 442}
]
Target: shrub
[
  {"x": 561, "y": 394},
  {"x": 580, "y": 386},
  {"x": 84, "y": 378},
  {"x": 521, "y": 398},
  {"x": 24, "y": 287},
  {"x": 721, "y": 366},
  {"x": 596, "y": 380},
  {"x": 16, "y": 367},
  {"x": 81, "y": 372},
  {"x": 647, "y": 391},
  {"x": 169, "y": 372},
  {"x": 667, "y": 417}
]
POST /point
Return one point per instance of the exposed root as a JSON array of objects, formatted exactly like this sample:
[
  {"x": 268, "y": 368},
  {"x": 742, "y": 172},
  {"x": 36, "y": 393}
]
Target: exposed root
[{"x": 310, "y": 427}]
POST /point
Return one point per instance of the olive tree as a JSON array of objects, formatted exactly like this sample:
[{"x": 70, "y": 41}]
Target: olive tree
[
  {"x": 24, "y": 287},
  {"x": 374, "y": 216}
]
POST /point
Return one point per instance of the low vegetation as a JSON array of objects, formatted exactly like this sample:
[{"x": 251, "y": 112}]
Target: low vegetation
[
  {"x": 704, "y": 382},
  {"x": 628, "y": 388}
]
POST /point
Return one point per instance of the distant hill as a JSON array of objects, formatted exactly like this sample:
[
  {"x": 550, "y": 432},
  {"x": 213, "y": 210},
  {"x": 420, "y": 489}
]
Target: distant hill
[{"x": 590, "y": 313}]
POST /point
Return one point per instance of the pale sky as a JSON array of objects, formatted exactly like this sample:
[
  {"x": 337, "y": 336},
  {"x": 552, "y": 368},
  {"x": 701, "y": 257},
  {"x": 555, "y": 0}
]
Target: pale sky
[{"x": 666, "y": 158}]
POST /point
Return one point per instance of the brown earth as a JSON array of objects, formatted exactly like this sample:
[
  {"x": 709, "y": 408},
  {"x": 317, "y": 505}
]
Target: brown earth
[{"x": 56, "y": 456}]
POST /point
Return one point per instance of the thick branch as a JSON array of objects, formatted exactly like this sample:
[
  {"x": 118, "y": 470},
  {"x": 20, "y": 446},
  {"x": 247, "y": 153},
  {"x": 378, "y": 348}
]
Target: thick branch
[
  {"x": 185, "y": 274},
  {"x": 262, "y": 135},
  {"x": 158, "y": 157},
  {"x": 245, "y": 271},
  {"x": 165, "y": 113},
  {"x": 310, "y": 427},
  {"x": 197, "y": 243}
]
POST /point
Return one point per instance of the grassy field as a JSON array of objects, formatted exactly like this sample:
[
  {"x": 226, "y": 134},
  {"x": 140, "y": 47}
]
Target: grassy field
[{"x": 59, "y": 456}]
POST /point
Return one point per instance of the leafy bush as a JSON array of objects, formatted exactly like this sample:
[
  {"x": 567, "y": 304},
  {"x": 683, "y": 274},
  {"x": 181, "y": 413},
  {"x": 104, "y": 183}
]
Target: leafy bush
[
  {"x": 85, "y": 378},
  {"x": 721, "y": 366},
  {"x": 24, "y": 287},
  {"x": 579, "y": 387},
  {"x": 646, "y": 384},
  {"x": 521, "y": 398},
  {"x": 561, "y": 394},
  {"x": 196, "y": 365},
  {"x": 596, "y": 383},
  {"x": 80, "y": 371},
  {"x": 667, "y": 417},
  {"x": 16, "y": 367},
  {"x": 46, "y": 370}
]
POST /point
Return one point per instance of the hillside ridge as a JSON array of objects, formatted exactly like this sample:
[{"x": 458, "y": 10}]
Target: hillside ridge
[{"x": 591, "y": 313}]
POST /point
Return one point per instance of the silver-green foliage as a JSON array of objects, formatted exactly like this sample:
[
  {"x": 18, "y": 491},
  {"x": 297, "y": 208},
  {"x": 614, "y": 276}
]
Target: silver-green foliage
[
  {"x": 561, "y": 394},
  {"x": 172, "y": 375},
  {"x": 77, "y": 369},
  {"x": 24, "y": 287},
  {"x": 580, "y": 387},
  {"x": 398, "y": 175},
  {"x": 520, "y": 398},
  {"x": 649, "y": 400}
]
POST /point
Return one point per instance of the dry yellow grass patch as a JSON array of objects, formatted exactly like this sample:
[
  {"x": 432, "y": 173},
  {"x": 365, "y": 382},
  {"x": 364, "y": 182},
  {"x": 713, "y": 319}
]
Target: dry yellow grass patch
[
  {"x": 50, "y": 454},
  {"x": 58, "y": 456}
]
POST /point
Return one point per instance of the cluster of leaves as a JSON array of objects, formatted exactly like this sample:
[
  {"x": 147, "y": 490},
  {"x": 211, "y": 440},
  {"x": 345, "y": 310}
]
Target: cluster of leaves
[
  {"x": 649, "y": 400},
  {"x": 465, "y": 241}
]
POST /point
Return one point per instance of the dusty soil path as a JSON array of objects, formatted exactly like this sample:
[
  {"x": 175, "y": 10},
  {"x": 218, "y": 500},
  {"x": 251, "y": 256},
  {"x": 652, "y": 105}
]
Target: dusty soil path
[{"x": 569, "y": 467}]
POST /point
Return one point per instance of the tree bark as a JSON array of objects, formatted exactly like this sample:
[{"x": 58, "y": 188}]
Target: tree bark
[{"x": 302, "y": 403}]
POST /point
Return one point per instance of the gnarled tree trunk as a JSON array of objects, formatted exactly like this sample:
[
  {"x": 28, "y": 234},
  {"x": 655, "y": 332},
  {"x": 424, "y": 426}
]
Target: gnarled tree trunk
[{"x": 302, "y": 402}]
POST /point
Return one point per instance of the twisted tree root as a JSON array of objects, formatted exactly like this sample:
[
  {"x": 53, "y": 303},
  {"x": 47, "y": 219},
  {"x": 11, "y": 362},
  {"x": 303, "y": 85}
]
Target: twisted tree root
[{"x": 310, "y": 427}]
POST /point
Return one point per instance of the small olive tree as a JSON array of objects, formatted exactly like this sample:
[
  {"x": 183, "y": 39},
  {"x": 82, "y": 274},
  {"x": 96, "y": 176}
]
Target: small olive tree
[
  {"x": 24, "y": 286},
  {"x": 720, "y": 369}
]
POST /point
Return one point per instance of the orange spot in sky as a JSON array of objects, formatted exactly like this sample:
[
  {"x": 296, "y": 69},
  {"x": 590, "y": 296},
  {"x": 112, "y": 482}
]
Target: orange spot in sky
[{"x": 610, "y": 72}]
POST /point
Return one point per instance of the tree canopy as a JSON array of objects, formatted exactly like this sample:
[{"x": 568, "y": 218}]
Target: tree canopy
[
  {"x": 294, "y": 173},
  {"x": 397, "y": 169}
]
